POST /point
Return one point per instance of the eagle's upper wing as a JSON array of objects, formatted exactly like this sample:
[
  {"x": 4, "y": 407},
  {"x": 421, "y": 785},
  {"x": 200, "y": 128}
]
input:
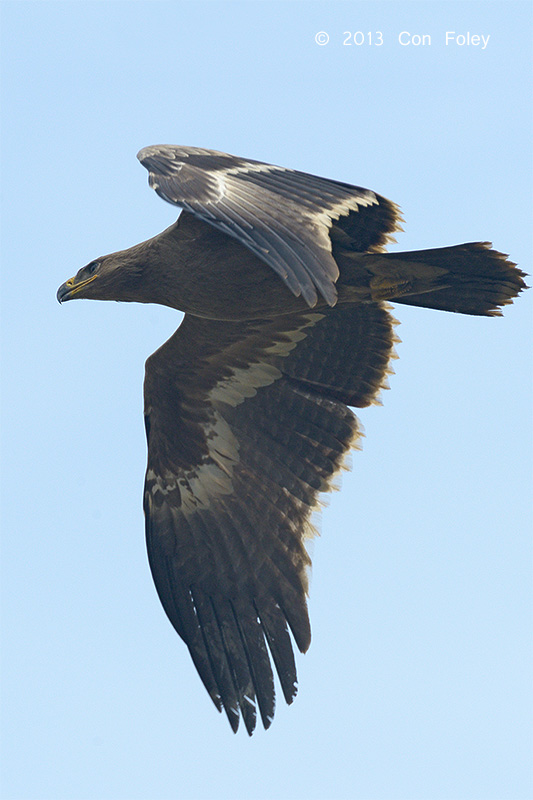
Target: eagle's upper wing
[
  {"x": 285, "y": 217},
  {"x": 247, "y": 423}
]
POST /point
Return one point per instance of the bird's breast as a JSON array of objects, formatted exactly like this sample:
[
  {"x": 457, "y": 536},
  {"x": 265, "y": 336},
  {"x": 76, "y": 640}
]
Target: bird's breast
[{"x": 212, "y": 275}]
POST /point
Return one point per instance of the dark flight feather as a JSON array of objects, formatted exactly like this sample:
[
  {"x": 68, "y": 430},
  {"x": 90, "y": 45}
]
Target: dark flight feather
[{"x": 277, "y": 431}]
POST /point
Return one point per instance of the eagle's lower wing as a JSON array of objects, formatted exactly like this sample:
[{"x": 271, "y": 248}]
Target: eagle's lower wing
[
  {"x": 247, "y": 423},
  {"x": 283, "y": 216}
]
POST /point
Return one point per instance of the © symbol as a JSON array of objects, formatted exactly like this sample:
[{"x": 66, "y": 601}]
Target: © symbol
[{"x": 322, "y": 38}]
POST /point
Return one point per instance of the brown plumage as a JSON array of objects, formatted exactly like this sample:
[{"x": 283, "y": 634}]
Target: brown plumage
[{"x": 283, "y": 278}]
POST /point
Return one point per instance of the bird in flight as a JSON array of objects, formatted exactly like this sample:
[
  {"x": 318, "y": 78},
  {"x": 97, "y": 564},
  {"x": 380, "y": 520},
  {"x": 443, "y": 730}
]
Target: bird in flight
[{"x": 284, "y": 281}]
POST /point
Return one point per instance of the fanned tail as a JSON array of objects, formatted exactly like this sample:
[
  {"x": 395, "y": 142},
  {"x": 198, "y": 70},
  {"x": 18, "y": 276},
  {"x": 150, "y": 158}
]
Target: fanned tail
[{"x": 469, "y": 278}]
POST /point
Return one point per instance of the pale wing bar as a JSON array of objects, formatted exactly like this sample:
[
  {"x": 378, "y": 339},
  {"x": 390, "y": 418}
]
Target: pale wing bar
[
  {"x": 282, "y": 215},
  {"x": 266, "y": 428}
]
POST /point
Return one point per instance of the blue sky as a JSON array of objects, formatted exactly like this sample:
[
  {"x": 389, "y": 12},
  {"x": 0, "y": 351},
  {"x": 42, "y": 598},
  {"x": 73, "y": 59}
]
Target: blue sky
[{"x": 417, "y": 683}]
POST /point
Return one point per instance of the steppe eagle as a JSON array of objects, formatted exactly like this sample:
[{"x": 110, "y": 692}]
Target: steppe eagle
[{"x": 284, "y": 280}]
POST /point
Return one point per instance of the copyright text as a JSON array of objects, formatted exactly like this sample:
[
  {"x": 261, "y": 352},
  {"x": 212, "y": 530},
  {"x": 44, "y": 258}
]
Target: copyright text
[{"x": 451, "y": 39}]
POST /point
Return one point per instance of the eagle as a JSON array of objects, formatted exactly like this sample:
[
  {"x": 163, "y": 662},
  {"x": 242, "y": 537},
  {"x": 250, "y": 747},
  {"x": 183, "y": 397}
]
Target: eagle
[{"x": 285, "y": 285}]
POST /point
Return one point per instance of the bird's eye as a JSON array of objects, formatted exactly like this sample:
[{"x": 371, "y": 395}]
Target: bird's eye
[{"x": 92, "y": 267}]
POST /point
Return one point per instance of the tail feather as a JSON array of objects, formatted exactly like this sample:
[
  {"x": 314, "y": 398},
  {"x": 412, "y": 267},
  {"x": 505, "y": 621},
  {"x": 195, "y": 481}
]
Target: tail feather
[{"x": 475, "y": 280}]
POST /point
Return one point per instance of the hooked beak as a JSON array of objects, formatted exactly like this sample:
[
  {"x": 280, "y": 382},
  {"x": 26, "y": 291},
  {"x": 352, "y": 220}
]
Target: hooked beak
[{"x": 70, "y": 288}]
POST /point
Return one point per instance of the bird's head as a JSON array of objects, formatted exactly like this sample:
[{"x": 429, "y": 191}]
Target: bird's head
[{"x": 118, "y": 276}]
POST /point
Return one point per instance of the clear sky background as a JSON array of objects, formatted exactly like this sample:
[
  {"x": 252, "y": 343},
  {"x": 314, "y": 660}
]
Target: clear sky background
[{"x": 417, "y": 685}]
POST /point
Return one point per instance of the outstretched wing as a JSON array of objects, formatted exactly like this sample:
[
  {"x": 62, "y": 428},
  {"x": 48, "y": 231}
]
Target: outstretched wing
[
  {"x": 247, "y": 423},
  {"x": 285, "y": 217}
]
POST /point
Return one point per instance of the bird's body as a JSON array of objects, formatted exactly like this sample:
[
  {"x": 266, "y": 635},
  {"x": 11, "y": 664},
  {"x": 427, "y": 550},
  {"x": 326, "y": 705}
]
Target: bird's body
[{"x": 282, "y": 277}]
